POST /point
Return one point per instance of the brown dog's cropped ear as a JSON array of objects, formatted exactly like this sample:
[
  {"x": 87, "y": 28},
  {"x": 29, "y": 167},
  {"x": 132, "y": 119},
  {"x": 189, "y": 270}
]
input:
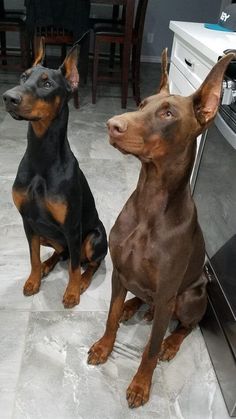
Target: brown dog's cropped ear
[
  {"x": 164, "y": 84},
  {"x": 39, "y": 51},
  {"x": 207, "y": 98},
  {"x": 69, "y": 68}
]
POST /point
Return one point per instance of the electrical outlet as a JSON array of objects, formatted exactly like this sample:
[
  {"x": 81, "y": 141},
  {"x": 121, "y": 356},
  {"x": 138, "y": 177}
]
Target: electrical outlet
[{"x": 150, "y": 37}]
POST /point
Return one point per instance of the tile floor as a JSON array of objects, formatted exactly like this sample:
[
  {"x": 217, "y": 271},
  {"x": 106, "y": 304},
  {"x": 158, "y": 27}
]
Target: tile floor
[{"x": 43, "y": 347}]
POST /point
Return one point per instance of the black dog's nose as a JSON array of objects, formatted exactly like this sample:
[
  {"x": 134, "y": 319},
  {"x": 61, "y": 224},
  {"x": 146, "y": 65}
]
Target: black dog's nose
[{"x": 11, "y": 99}]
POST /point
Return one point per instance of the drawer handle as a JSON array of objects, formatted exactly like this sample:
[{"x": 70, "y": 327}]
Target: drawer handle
[{"x": 189, "y": 63}]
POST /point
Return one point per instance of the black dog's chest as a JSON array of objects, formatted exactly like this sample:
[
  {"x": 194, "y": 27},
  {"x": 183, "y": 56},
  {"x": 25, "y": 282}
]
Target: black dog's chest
[{"x": 36, "y": 208}]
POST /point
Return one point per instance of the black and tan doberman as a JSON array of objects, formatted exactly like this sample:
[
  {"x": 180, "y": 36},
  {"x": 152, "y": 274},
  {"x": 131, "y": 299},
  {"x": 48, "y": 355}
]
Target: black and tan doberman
[
  {"x": 50, "y": 190},
  {"x": 156, "y": 245}
]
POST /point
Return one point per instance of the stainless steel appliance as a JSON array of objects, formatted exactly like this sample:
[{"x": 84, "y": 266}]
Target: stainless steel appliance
[{"x": 214, "y": 192}]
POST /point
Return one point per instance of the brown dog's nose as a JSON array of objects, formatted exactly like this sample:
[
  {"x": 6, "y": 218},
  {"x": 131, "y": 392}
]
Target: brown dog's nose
[
  {"x": 11, "y": 99},
  {"x": 117, "y": 126}
]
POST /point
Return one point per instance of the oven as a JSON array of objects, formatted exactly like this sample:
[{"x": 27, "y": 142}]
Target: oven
[{"x": 214, "y": 190}]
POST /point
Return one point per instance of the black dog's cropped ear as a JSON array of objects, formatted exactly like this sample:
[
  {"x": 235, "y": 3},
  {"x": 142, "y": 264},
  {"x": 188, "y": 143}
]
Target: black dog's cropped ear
[
  {"x": 164, "y": 84},
  {"x": 39, "y": 52},
  {"x": 207, "y": 98},
  {"x": 69, "y": 68}
]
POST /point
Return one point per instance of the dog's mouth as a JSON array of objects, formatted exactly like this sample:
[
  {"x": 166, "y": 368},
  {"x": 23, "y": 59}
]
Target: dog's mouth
[
  {"x": 21, "y": 117},
  {"x": 113, "y": 142},
  {"x": 15, "y": 116}
]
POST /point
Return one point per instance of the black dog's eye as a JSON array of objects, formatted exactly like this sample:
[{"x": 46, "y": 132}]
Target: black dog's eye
[
  {"x": 23, "y": 78},
  {"x": 47, "y": 84}
]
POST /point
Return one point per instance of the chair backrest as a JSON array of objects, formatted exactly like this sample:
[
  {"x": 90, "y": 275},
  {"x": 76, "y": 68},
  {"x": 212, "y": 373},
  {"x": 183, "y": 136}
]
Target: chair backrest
[{"x": 140, "y": 19}]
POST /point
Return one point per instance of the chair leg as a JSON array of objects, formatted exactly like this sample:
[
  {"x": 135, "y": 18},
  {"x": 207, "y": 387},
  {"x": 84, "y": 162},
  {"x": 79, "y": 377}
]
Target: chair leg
[
  {"x": 25, "y": 50},
  {"x": 125, "y": 81},
  {"x": 121, "y": 55},
  {"x": 136, "y": 55},
  {"x": 84, "y": 58},
  {"x": 95, "y": 70},
  {"x": 112, "y": 55},
  {"x": 76, "y": 99},
  {"x": 63, "y": 52},
  {"x": 3, "y": 46}
]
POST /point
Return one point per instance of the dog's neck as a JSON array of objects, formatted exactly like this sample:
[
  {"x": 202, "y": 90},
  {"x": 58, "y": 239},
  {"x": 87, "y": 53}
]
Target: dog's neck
[
  {"x": 45, "y": 150},
  {"x": 163, "y": 180}
]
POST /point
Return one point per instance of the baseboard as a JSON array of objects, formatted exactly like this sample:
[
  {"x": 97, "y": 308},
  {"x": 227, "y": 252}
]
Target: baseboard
[{"x": 150, "y": 59}]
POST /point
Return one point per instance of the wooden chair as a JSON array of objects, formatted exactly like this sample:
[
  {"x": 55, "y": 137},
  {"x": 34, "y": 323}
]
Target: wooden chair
[
  {"x": 114, "y": 34},
  {"x": 13, "y": 21}
]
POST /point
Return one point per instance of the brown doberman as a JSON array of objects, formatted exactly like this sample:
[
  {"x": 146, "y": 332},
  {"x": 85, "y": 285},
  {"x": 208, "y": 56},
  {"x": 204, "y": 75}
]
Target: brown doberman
[
  {"x": 156, "y": 245},
  {"x": 50, "y": 190}
]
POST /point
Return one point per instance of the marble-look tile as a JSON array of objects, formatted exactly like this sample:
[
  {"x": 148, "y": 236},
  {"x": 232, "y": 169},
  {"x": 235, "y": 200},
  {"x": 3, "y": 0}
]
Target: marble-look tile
[
  {"x": 56, "y": 347},
  {"x": 191, "y": 383},
  {"x": 12, "y": 338},
  {"x": 107, "y": 179}
]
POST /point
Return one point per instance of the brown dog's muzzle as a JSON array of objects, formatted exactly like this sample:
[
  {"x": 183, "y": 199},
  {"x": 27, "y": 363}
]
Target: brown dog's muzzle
[{"x": 116, "y": 128}]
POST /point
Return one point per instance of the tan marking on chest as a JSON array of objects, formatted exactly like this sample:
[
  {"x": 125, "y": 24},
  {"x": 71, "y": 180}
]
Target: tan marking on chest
[
  {"x": 46, "y": 112},
  {"x": 19, "y": 198},
  {"x": 58, "y": 210}
]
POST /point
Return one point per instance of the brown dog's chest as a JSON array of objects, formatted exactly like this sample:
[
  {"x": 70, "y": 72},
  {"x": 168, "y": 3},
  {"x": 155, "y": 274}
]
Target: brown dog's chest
[
  {"x": 148, "y": 244},
  {"x": 134, "y": 252}
]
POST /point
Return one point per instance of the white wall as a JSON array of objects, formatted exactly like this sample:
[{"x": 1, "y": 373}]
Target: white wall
[{"x": 160, "y": 12}]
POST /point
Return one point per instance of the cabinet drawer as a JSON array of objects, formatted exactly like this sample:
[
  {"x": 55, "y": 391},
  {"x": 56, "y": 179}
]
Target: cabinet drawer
[
  {"x": 178, "y": 83},
  {"x": 194, "y": 66}
]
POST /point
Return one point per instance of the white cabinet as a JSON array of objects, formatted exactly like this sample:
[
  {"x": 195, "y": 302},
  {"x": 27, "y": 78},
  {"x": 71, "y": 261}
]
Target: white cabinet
[{"x": 195, "y": 50}]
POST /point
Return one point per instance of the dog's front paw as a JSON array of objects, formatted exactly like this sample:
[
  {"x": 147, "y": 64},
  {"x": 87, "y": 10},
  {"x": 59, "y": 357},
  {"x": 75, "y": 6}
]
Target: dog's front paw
[
  {"x": 99, "y": 352},
  {"x": 71, "y": 298},
  {"x": 31, "y": 286},
  {"x": 137, "y": 394}
]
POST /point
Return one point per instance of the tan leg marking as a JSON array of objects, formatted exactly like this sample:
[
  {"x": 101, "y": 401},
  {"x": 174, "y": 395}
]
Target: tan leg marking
[
  {"x": 32, "y": 284},
  {"x": 138, "y": 391},
  {"x": 72, "y": 294}
]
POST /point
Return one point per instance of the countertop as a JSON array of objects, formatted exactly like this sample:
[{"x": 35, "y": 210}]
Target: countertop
[{"x": 208, "y": 42}]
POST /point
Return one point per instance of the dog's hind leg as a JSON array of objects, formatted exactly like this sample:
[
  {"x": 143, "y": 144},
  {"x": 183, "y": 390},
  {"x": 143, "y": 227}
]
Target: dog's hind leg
[
  {"x": 189, "y": 310},
  {"x": 59, "y": 254},
  {"x": 49, "y": 264},
  {"x": 130, "y": 308},
  {"x": 94, "y": 249}
]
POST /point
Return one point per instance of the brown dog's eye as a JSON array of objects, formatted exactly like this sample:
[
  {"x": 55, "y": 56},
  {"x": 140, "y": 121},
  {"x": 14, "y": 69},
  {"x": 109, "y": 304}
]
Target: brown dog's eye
[
  {"x": 168, "y": 114},
  {"x": 142, "y": 104}
]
